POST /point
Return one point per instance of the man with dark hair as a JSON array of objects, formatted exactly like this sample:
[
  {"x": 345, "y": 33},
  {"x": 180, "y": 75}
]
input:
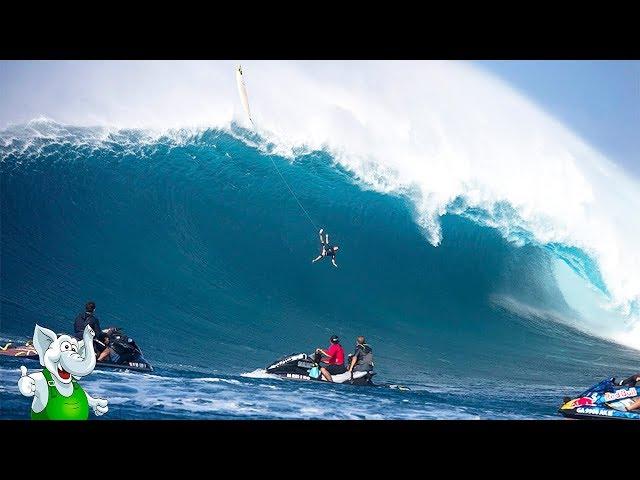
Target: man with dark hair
[
  {"x": 334, "y": 364},
  {"x": 88, "y": 318}
]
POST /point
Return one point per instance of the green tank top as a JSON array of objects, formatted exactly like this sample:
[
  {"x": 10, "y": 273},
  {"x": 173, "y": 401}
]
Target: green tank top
[{"x": 74, "y": 407}]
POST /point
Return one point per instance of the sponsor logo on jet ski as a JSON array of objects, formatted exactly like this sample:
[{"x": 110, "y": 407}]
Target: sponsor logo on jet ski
[
  {"x": 620, "y": 394},
  {"x": 580, "y": 402},
  {"x": 595, "y": 411}
]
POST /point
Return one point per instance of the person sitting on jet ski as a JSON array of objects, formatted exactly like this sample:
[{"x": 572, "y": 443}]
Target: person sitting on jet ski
[
  {"x": 327, "y": 250},
  {"x": 362, "y": 357},
  {"x": 120, "y": 348},
  {"x": 334, "y": 365},
  {"x": 88, "y": 318}
]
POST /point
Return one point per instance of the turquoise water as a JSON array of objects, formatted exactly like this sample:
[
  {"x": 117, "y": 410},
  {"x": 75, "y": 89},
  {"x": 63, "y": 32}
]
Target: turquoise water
[{"x": 195, "y": 246}]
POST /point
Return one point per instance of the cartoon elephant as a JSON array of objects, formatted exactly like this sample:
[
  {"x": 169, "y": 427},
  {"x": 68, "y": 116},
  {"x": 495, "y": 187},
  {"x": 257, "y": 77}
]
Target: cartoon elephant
[{"x": 57, "y": 394}]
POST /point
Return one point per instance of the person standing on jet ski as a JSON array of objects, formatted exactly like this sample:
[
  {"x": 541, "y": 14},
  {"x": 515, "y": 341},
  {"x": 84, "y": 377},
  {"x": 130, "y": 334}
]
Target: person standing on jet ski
[
  {"x": 327, "y": 250},
  {"x": 88, "y": 318},
  {"x": 362, "y": 357},
  {"x": 334, "y": 365}
]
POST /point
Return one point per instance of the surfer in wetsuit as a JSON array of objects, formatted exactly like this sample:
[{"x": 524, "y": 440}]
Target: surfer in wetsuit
[{"x": 326, "y": 249}]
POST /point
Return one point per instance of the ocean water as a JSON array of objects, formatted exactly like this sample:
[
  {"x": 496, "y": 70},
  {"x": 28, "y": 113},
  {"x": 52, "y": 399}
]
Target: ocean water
[{"x": 193, "y": 244}]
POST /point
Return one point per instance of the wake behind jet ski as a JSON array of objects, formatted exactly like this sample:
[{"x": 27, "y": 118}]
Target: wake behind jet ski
[
  {"x": 129, "y": 357},
  {"x": 300, "y": 366},
  {"x": 603, "y": 400}
]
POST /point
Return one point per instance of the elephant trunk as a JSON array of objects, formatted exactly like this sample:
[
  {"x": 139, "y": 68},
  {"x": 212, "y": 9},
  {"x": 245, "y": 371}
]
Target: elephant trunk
[{"x": 78, "y": 365}]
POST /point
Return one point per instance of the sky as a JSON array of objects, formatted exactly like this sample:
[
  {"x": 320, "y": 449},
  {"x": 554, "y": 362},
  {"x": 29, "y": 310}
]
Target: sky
[{"x": 598, "y": 100}]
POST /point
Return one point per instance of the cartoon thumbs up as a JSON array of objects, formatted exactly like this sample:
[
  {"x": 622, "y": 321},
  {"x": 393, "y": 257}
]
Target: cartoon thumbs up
[{"x": 26, "y": 384}]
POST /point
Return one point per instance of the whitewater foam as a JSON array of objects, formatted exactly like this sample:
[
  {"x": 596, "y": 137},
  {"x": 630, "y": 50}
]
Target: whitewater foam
[{"x": 260, "y": 373}]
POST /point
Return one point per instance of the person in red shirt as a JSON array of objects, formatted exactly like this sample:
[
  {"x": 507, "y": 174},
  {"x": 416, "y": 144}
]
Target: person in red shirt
[{"x": 334, "y": 363}]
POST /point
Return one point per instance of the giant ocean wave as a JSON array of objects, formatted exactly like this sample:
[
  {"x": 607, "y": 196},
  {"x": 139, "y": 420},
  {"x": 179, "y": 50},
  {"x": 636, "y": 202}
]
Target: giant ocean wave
[{"x": 466, "y": 217}]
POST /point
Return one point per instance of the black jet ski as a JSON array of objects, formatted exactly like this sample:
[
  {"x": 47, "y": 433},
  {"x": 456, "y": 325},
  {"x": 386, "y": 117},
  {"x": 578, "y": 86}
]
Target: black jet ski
[
  {"x": 130, "y": 355},
  {"x": 300, "y": 366},
  {"x": 603, "y": 400}
]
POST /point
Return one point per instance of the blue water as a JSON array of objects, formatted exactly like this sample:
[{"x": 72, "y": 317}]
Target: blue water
[{"x": 196, "y": 248}]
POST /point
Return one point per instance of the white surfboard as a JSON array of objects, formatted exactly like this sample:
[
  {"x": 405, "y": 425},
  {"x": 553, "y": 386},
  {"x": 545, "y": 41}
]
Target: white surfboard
[{"x": 242, "y": 91}]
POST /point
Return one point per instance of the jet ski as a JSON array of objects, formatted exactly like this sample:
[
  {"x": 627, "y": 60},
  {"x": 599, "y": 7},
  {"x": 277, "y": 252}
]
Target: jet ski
[
  {"x": 131, "y": 357},
  {"x": 300, "y": 366},
  {"x": 603, "y": 400}
]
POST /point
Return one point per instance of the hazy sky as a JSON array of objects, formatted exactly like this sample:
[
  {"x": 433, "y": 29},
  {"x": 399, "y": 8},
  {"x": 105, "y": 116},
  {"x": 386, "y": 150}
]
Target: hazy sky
[{"x": 598, "y": 100}]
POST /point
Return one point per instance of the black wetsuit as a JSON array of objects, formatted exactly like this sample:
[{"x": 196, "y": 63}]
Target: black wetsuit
[
  {"x": 123, "y": 348},
  {"x": 329, "y": 252},
  {"x": 82, "y": 320}
]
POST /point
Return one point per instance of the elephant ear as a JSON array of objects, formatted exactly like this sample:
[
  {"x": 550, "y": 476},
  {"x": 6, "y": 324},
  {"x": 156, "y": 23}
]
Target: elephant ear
[{"x": 42, "y": 340}]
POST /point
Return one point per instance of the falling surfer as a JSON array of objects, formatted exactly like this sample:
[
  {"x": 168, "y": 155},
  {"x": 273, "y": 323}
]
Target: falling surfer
[{"x": 326, "y": 249}]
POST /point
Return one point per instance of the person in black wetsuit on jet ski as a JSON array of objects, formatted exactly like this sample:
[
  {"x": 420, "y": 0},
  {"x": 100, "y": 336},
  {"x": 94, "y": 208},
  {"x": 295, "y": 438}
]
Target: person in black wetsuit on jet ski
[
  {"x": 326, "y": 249},
  {"x": 88, "y": 318}
]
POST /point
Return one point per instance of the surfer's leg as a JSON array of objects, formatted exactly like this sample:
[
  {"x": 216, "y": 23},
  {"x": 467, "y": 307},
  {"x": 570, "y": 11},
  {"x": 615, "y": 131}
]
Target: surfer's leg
[{"x": 317, "y": 258}]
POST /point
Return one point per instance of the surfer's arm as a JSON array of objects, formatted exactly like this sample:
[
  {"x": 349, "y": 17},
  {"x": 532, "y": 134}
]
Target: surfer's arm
[
  {"x": 316, "y": 259},
  {"x": 333, "y": 260}
]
